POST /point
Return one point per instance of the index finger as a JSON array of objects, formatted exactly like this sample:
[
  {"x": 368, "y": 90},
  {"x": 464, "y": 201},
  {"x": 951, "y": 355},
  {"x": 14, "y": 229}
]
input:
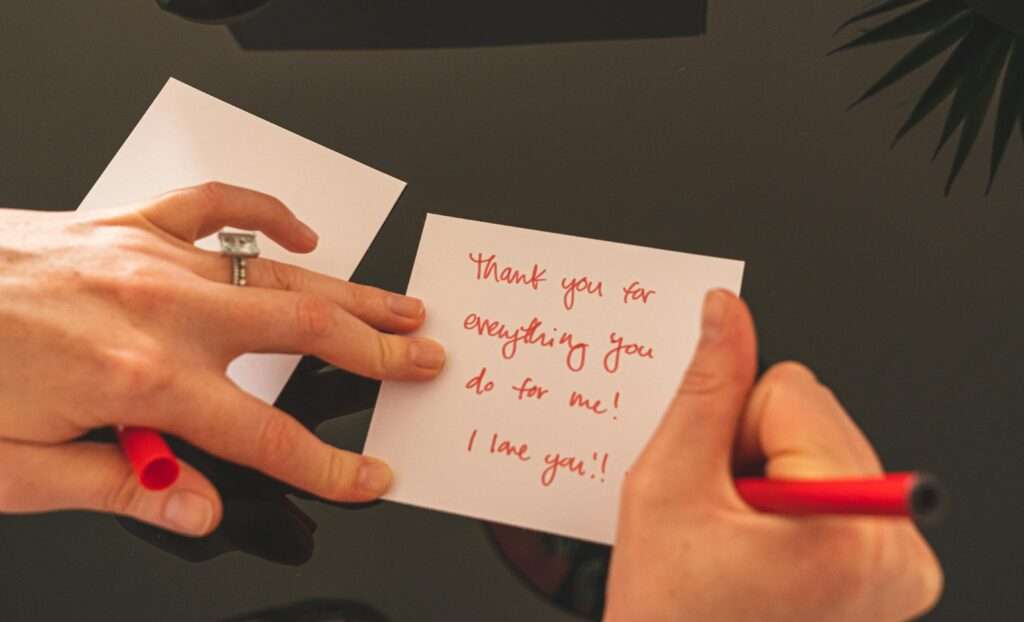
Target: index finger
[{"x": 798, "y": 429}]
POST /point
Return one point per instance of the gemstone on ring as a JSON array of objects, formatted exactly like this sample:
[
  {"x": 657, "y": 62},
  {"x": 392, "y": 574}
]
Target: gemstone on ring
[{"x": 237, "y": 244}]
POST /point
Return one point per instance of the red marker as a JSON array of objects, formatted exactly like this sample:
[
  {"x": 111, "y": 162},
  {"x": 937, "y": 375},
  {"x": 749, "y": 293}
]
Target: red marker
[
  {"x": 152, "y": 460},
  {"x": 914, "y": 495}
]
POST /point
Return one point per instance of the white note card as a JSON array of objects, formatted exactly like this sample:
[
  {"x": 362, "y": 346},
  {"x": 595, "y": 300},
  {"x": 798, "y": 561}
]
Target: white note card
[
  {"x": 187, "y": 137},
  {"x": 563, "y": 353}
]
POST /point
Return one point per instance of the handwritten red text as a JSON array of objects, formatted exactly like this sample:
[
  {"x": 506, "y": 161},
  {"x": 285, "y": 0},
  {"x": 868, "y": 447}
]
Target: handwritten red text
[
  {"x": 488, "y": 269},
  {"x": 528, "y": 334},
  {"x": 580, "y": 284},
  {"x": 528, "y": 389},
  {"x": 622, "y": 348},
  {"x": 479, "y": 384},
  {"x": 633, "y": 291}
]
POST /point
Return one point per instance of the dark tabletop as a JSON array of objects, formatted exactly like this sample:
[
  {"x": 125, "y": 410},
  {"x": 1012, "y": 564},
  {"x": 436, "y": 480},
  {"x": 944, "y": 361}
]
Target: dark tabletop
[{"x": 737, "y": 143}]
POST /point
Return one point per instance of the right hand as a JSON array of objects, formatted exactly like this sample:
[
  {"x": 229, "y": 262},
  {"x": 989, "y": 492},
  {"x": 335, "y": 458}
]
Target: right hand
[
  {"x": 116, "y": 318},
  {"x": 689, "y": 548}
]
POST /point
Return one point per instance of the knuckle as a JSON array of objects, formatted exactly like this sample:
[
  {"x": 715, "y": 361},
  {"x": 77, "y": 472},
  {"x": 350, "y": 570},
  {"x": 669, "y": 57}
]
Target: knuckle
[
  {"x": 314, "y": 316},
  {"x": 276, "y": 440},
  {"x": 789, "y": 372},
  {"x": 125, "y": 497},
  {"x": 278, "y": 209},
  {"x": 783, "y": 383},
  {"x": 137, "y": 374},
  {"x": 132, "y": 285},
  {"x": 135, "y": 241},
  {"x": 637, "y": 485},
  {"x": 360, "y": 299},
  {"x": 211, "y": 194},
  {"x": 282, "y": 276},
  {"x": 699, "y": 380},
  {"x": 387, "y": 356},
  {"x": 912, "y": 564},
  {"x": 852, "y": 557},
  {"x": 338, "y": 477},
  {"x": 932, "y": 580},
  {"x": 642, "y": 485}
]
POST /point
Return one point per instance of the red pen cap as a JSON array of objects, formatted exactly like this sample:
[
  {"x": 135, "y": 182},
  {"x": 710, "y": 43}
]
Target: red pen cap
[{"x": 152, "y": 460}]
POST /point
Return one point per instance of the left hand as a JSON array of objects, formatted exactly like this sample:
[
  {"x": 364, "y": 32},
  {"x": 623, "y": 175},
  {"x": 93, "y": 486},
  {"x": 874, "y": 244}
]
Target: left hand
[{"x": 115, "y": 318}]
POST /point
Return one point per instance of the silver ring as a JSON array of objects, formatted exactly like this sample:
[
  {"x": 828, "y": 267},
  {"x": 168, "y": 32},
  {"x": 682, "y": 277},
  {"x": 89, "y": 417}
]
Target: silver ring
[{"x": 239, "y": 247}]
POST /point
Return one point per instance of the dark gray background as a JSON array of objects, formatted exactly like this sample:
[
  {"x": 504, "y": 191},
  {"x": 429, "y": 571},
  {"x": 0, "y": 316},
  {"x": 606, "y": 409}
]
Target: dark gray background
[{"x": 735, "y": 144}]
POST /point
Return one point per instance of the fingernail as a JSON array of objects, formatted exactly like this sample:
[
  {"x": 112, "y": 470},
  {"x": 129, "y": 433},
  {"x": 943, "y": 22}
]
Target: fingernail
[
  {"x": 374, "y": 477},
  {"x": 308, "y": 233},
  {"x": 427, "y": 353},
  {"x": 188, "y": 512},
  {"x": 406, "y": 306},
  {"x": 713, "y": 316}
]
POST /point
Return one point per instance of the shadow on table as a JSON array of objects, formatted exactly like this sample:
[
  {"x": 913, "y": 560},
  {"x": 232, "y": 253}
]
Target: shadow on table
[{"x": 377, "y": 24}]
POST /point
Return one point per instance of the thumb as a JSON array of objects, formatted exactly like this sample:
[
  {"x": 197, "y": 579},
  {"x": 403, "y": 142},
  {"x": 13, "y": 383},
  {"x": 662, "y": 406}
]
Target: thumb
[
  {"x": 694, "y": 440},
  {"x": 96, "y": 476}
]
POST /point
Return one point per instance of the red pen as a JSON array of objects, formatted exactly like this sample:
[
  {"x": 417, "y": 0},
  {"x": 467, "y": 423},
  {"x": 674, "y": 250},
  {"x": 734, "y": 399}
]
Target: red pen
[
  {"x": 152, "y": 460},
  {"x": 911, "y": 494}
]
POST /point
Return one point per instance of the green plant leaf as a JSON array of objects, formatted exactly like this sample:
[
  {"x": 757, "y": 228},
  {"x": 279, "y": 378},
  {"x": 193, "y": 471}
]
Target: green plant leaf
[
  {"x": 933, "y": 45},
  {"x": 923, "y": 18},
  {"x": 978, "y": 102},
  {"x": 884, "y": 7},
  {"x": 979, "y": 80},
  {"x": 1011, "y": 108},
  {"x": 950, "y": 75}
]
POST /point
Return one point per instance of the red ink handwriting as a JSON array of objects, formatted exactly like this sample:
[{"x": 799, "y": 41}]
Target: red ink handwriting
[
  {"x": 580, "y": 284},
  {"x": 478, "y": 383},
  {"x": 620, "y": 348},
  {"x": 488, "y": 268},
  {"x": 509, "y": 448},
  {"x": 604, "y": 465},
  {"x": 472, "y": 439},
  {"x": 528, "y": 389},
  {"x": 556, "y": 461},
  {"x": 528, "y": 334},
  {"x": 634, "y": 292},
  {"x": 576, "y": 399}
]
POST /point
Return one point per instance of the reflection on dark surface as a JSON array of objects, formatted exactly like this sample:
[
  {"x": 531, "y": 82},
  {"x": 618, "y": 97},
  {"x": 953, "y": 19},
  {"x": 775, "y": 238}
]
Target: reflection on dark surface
[
  {"x": 362, "y": 24},
  {"x": 259, "y": 519},
  {"x": 985, "y": 36},
  {"x": 318, "y": 610},
  {"x": 211, "y": 11},
  {"x": 570, "y": 574}
]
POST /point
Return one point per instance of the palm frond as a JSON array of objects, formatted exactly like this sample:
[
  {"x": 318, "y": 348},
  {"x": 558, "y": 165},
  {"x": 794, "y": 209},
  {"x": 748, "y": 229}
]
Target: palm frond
[
  {"x": 974, "y": 86},
  {"x": 1022, "y": 124},
  {"x": 918, "y": 20},
  {"x": 979, "y": 100},
  {"x": 952, "y": 72},
  {"x": 933, "y": 45},
  {"x": 982, "y": 49},
  {"x": 878, "y": 9},
  {"x": 1011, "y": 109}
]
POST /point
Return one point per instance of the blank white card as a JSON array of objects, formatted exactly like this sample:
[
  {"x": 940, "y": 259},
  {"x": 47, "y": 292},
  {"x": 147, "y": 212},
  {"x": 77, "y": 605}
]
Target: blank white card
[{"x": 187, "y": 137}]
